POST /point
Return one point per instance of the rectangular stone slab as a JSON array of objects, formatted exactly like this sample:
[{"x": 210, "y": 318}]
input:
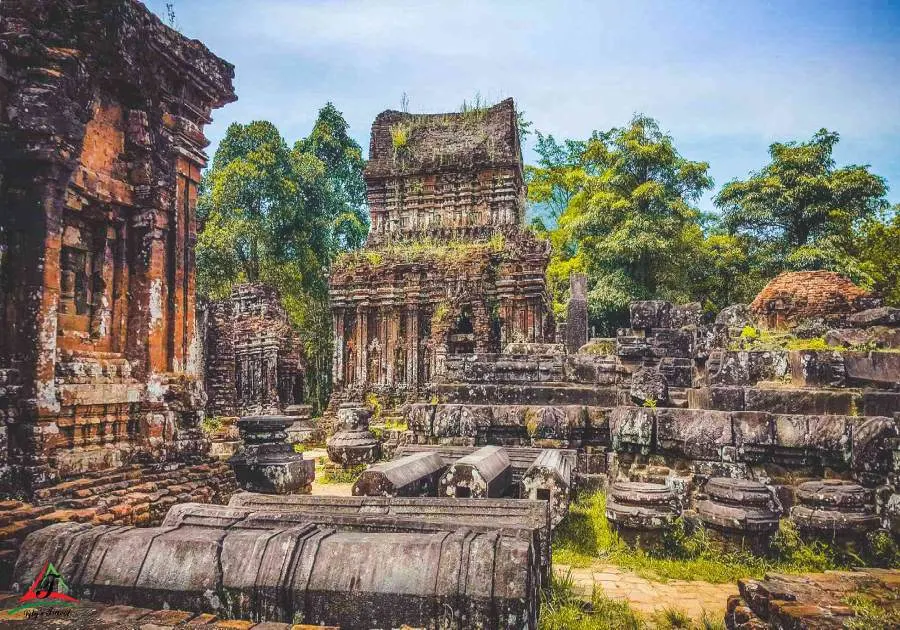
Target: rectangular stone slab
[
  {"x": 296, "y": 571},
  {"x": 450, "y": 512},
  {"x": 484, "y": 473},
  {"x": 549, "y": 478},
  {"x": 416, "y": 474},
  {"x": 520, "y": 457}
]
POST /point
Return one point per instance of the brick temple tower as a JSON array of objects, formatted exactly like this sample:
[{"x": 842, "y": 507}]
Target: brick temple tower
[
  {"x": 101, "y": 146},
  {"x": 448, "y": 267}
]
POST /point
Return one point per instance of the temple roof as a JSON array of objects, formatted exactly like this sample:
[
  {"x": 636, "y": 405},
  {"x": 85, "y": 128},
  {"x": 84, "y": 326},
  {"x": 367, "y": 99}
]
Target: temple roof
[{"x": 405, "y": 143}]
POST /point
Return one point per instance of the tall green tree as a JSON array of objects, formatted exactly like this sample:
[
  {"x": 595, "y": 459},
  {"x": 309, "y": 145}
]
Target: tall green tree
[
  {"x": 278, "y": 214},
  {"x": 556, "y": 177},
  {"x": 879, "y": 255},
  {"x": 632, "y": 218},
  {"x": 802, "y": 205}
]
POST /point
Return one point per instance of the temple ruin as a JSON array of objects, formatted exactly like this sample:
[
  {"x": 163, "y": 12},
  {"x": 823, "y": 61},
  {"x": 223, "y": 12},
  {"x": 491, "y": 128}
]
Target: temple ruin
[
  {"x": 102, "y": 109},
  {"x": 253, "y": 355},
  {"x": 468, "y": 419},
  {"x": 448, "y": 267}
]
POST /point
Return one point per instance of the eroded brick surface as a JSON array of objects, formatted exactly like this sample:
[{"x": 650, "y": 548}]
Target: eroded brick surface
[{"x": 102, "y": 146}]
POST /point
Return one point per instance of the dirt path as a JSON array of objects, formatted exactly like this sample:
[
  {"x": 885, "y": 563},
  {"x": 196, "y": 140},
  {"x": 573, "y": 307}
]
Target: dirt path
[{"x": 647, "y": 596}]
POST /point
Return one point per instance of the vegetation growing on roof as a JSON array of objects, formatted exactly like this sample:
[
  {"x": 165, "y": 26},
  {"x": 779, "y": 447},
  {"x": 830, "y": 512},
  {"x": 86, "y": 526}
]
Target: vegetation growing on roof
[{"x": 424, "y": 251}]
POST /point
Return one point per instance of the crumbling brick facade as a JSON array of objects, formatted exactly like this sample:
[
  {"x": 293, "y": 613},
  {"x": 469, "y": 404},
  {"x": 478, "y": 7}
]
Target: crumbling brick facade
[
  {"x": 101, "y": 147},
  {"x": 254, "y": 361},
  {"x": 795, "y": 296},
  {"x": 448, "y": 267}
]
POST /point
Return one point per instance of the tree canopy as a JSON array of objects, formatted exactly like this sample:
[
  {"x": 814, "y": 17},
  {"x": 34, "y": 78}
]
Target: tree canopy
[
  {"x": 624, "y": 207},
  {"x": 629, "y": 215},
  {"x": 279, "y": 215}
]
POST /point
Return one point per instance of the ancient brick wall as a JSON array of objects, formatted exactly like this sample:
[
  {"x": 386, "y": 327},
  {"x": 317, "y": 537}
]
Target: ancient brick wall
[
  {"x": 130, "y": 495},
  {"x": 444, "y": 175},
  {"x": 802, "y": 295},
  {"x": 101, "y": 116},
  {"x": 254, "y": 361}
]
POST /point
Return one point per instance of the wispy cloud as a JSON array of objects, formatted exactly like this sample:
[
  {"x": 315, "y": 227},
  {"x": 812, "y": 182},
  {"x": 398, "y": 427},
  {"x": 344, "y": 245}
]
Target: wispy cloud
[{"x": 725, "y": 78}]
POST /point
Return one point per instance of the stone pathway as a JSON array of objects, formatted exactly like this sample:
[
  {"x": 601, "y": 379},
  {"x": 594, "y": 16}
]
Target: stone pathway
[{"x": 646, "y": 596}]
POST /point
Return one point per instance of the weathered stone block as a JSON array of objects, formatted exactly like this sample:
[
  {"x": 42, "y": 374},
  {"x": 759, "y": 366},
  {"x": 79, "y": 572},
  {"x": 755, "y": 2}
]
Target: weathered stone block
[
  {"x": 648, "y": 384},
  {"x": 484, "y": 473},
  {"x": 693, "y": 433},
  {"x": 549, "y": 479},
  {"x": 651, "y": 314},
  {"x": 631, "y": 428},
  {"x": 410, "y": 476},
  {"x": 345, "y": 578}
]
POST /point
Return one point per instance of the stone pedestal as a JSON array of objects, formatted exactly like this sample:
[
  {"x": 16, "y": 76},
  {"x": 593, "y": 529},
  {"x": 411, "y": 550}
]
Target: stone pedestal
[
  {"x": 739, "y": 513},
  {"x": 353, "y": 444},
  {"x": 267, "y": 463},
  {"x": 303, "y": 430},
  {"x": 640, "y": 512},
  {"x": 835, "y": 510}
]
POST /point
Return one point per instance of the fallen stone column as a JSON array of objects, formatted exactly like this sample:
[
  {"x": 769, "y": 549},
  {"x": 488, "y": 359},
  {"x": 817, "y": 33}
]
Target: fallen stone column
[
  {"x": 484, "y": 473},
  {"x": 549, "y": 479},
  {"x": 498, "y": 513},
  {"x": 300, "y": 572},
  {"x": 414, "y": 475}
]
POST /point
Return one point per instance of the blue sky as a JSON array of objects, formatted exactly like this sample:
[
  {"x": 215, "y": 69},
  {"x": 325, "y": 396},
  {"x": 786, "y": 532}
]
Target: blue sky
[{"x": 725, "y": 78}]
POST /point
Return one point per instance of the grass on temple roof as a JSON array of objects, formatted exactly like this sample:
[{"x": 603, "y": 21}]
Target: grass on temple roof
[
  {"x": 419, "y": 251},
  {"x": 586, "y": 537}
]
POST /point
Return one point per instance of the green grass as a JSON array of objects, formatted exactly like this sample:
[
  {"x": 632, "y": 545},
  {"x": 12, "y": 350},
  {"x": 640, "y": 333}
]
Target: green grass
[
  {"x": 349, "y": 475},
  {"x": 562, "y": 609},
  {"x": 586, "y": 537},
  {"x": 869, "y": 614}
]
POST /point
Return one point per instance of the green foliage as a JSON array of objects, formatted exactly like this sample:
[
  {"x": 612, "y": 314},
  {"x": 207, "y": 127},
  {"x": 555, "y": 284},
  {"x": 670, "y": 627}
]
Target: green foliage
[
  {"x": 211, "y": 424},
  {"x": 869, "y": 614},
  {"x": 399, "y": 137},
  {"x": 800, "y": 197},
  {"x": 770, "y": 341},
  {"x": 800, "y": 211},
  {"x": 620, "y": 206},
  {"x": 882, "y": 549},
  {"x": 670, "y": 618},
  {"x": 340, "y": 475},
  {"x": 600, "y": 347},
  {"x": 878, "y": 252},
  {"x": 279, "y": 215},
  {"x": 373, "y": 405},
  {"x": 586, "y": 536},
  {"x": 649, "y": 403},
  {"x": 627, "y": 217}
]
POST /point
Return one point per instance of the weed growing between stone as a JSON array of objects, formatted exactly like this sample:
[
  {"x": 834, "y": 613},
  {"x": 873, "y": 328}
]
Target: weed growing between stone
[
  {"x": 562, "y": 609},
  {"x": 585, "y": 536},
  {"x": 328, "y": 475}
]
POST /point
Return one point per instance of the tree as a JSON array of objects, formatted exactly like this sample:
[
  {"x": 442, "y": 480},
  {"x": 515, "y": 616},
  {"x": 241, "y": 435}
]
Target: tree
[
  {"x": 879, "y": 254},
  {"x": 279, "y": 215},
  {"x": 801, "y": 204},
  {"x": 556, "y": 178},
  {"x": 631, "y": 217}
]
